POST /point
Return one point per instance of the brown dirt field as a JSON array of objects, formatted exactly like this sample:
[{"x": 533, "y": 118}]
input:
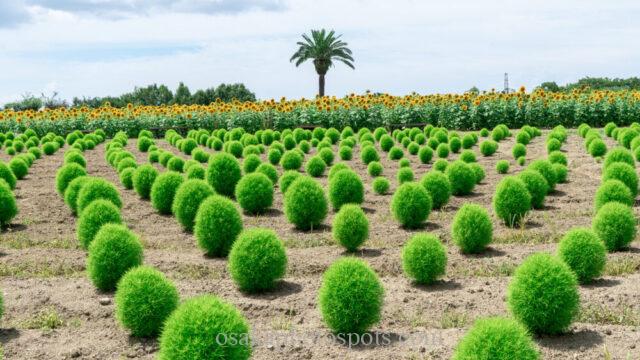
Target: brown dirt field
[{"x": 44, "y": 284}]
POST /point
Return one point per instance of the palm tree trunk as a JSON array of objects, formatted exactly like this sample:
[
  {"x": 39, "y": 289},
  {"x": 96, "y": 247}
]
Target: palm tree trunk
[{"x": 321, "y": 85}]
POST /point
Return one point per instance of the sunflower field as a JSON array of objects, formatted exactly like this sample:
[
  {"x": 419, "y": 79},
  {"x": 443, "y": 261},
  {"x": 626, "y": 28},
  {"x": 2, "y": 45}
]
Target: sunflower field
[{"x": 454, "y": 111}]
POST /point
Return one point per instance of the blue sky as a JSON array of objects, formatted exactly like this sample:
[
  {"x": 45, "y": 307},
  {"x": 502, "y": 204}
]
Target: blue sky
[{"x": 106, "y": 47}]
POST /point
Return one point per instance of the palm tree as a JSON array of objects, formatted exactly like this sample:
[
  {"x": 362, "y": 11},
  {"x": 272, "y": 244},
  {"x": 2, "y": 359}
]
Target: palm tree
[{"x": 324, "y": 48}]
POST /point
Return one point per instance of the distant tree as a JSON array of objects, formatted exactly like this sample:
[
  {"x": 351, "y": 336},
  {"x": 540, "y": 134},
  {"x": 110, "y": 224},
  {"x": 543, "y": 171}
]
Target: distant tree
[
  {"x": 474, "y": 90},
  {"x": 323, "y": 48},
  {"x": 149, "y": 95},
  {"x": 182, "y": 95},
  {"x": 230, "y": 92},
  {"x": 161, "y": 95},
  {"x": 28, "y": 102},
  {"x": 550, "y": 86},
  {"x": 594, "y": 83}
]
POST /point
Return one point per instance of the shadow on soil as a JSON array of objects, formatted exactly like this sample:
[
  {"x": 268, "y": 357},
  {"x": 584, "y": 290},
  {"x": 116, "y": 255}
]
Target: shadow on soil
[
  {"x": 440, "y": 285},
  {"x": 583, "y": 339}
]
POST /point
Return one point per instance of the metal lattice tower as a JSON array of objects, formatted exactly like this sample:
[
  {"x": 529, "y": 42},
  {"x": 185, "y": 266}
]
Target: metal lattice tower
[{"x": 506, "y": 83}]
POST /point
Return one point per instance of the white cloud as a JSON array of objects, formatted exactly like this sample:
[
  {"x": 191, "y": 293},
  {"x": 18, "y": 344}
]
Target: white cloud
[{"x": 399, "y": 46}]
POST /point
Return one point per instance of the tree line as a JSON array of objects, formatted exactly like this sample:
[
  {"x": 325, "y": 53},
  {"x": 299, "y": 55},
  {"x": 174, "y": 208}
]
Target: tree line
[{"x": 149, "y": 95}]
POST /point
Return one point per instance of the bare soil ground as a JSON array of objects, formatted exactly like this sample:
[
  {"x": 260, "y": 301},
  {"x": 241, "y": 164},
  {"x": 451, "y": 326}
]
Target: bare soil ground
[{"x": 52, "y": 311}]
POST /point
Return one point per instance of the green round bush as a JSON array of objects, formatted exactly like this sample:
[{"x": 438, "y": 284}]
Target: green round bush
[
  {"x": 584, "y": 252},
  {"x": 496, "y": 338},
  {"x": 395, "y": 153},
  {"x": 623, "y": 172},
  {"x": 454, "y": 144},
  {"x": 386, "y": 142},
  {"x": 442, "y": 150},
  {"x": 125, "y": 162},
  {"x": 411, "y": 205},
  {"x": 326, "y": 154},
  {"x": 144, "y": 300},
  {"x": 613, "y": 190},
  {"x": 380, "y": 185},
  {"x": 164, "y": 158},
  {"x": 523, "y": 137},
  {"x": 350, "y": 296},
  {"x": 143, "y": 178},
  {"x": 518, "y": 151},
  {"x": 254, "y": 193},
  {"x": 488, "y": 147},
  {"x": 36, "y": 152},
  {"x": 461, "y": 177},
  {"x": 9, "y": 208},
  {"x": 345, "y": 187},
  {"x": 425, "y": 154},
  {"x": 553, "y": 145},
  {"x": 19, "y": 168},
  {"x": 144, "y": 143},
  {"x": 472, "y": 230},
  {"x": 251, "y": 163},
  {"x": 305, "y": 204},
  {"x": 561, "y": 173},
  {"x": 75, "y": 157},
  {"x": 196, "y": 171},
  {"x": 200, "y": 156},
  {"x": 217, "y": 225},
  {"x": 163, "y": 191},
  {"x": 437, "y": 185},
  {"x": 223, "y": 173},
  {"x": 345, "y": 153},
  {"x": 557, "y": 157},
  {"x": 97, "y": 214},
  {"x": 512, "y": 200},
  {"x": 543, "y": 294},
  {"x": 375, "y": 168},
  {"x": 126, "y": 178},
  {"x": 468, "y": 156},
  {"x": 7, "y": 175},
  {"x": 270, "y": 171},
  {"x": 71, "y": 194},
  {"x": 114, "y": 250},
  {"x": 94, "y": 189},
  {"x": 274, "y": 156},
  {"x": 537, "y": 186},
  {"x": 49, "y": 148},
  {"x": 66, "y": 174},
  {"x": 257, "y": 260},
  {"x": 176, "y": 163},
  {"x": 502, "y": 166},
  {"x": 187, "y": 199},
  {"x": 597, "y": 148},
  {"x": 369, "y": 154},
  {"x": 404, "y": 163},
  {"x": 413, "y": 148},
  {"x": 315, "y": 166},
  {"x": 619, "y": 154},
  {"x": 287, "y": 178},
  {"x": 350, "y": 227},
  {"x": 338, "y": 167},
  {"x": 545, "y": 168},
  {"x": 615, "y": 224},
  {"x": 424, "y": 258},
  {"x": 291, "y": 160},
  {"x": 203, "y": 328},
  {"x": 468, "y": 141},
  {"x": 405, "y": 174},
  {"x": 478, "y": 171}
]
